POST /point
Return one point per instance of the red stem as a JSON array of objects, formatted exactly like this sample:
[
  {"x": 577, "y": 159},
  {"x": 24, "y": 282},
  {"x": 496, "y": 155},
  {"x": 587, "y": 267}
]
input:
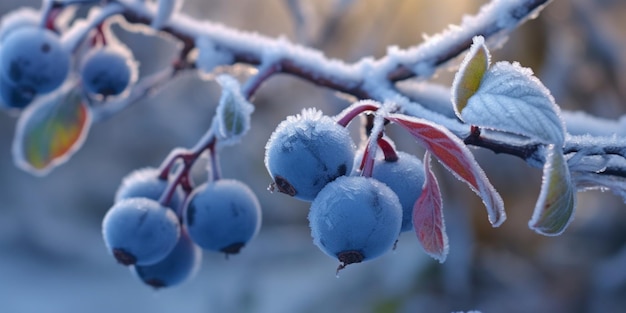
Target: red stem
[
  {"x": 346, "y": 116},
  {"x": 215, "y": 171},
  {"x": 388, "y": 150}
]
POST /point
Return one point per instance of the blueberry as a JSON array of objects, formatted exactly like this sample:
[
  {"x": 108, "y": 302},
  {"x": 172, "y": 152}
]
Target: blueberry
[
  {"x": 33, "y": 58},
  {"x": 14, "y": 97},
  {"x": 146, "y": 183},
  {"x": 306, "y": 152},
  {"x": 406, "y": 178},
  {"x": 107, "y": 71},
  {"x": 222, "y": 216},
  {"x": 179, "y": 265},
  {"x": 140, "y": 231},
  {"x": 355, "y": 219}
]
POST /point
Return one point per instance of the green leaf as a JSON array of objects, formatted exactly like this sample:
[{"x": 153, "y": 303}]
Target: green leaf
[
  {"x": 50, "y": 130},
  {"x": 467, "y": 79},
  {"x": 557, "y": 200},
  {"x": 233, "y": 112}
]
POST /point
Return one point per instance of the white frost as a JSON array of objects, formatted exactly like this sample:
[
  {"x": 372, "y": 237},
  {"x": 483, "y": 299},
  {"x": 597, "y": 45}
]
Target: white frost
[
  {"x": 210, "y": 56},
  {"x": 511, "y": 99},
  {"x": 233, "y": 112}
]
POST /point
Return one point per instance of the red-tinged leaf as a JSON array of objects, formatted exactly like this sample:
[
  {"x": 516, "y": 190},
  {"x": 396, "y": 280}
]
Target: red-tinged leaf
[
  {"x": 428, "y": 216},
  {"x": 557, "y": 200},
  {"x": 457, "y": 158},
  {"x": 50, "y": 130}
]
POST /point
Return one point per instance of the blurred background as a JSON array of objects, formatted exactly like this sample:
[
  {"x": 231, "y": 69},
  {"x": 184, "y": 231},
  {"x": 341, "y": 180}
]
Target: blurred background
[{"x": 53, "y": 259}]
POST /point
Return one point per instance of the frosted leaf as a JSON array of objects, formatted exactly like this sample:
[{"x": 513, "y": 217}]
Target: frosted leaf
[
  {"x": 51, "y": 129},
  {"x": 467, "y": 79},
  {"x": 457, "y": 158},
  {"x": 165, "y": 10},
  {"x": 428, "y": 219},
  {"x": 555, "y": 207},
  {"x": 511, "y": 99},
  {"x": 233, "y": 112},
  {"x": 210, "y": 56}
]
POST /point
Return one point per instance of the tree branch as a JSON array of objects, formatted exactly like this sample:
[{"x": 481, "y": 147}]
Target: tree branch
[{"x": 375, "y": 79}]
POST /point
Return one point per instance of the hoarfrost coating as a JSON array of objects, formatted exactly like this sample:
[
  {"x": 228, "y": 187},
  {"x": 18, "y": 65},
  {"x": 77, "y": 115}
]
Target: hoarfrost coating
[
  {"x": 511, "y": 99},
  {"x": 306, "y": 152}
]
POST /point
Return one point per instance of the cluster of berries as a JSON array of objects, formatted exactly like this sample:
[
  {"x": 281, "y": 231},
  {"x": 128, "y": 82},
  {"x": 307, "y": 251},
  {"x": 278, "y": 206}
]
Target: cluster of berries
[
  {"x": 354, "y": 216},
  {"x": 156, "y": 230},
  {"x": 34, "y": 60}
]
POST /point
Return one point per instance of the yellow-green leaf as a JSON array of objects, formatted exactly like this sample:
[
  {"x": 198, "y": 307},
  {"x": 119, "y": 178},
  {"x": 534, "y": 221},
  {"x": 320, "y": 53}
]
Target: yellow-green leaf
[
  {"x": 470, "y": 74},
  {"x": 50, "y": 130}
]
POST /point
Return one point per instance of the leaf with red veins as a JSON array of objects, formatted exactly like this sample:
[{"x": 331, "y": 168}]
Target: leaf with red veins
[
  {"x": 428, "y": 216},
  {"x": 457, "y": 158}
]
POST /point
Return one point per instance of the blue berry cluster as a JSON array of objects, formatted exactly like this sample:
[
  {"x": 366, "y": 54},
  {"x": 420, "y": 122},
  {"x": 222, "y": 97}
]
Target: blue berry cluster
[
  {"x": 353, "y": 217},
  {"x": 153, "y": 229},
  {"x": 34, "y": 61}
]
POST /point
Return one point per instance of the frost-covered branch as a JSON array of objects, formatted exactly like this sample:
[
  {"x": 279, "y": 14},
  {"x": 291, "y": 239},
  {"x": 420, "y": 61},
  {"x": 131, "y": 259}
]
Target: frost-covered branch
[
  {"x": 494, "y": 20},
  {"x": 367, "y": 78}
]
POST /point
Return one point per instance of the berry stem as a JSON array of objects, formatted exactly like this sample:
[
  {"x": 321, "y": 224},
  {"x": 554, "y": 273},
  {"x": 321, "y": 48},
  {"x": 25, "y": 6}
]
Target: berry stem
[
  {"x": 367, "y": 162},
  {"x": 188, "y": 159},
  {"x": 167, "y": 195},
  {"x": 388, "y": 150},
  {"x": 49, "y": 17},
  {"x": 166, "y": 166},
  {"x": 376, "y": 135},
  {"x": 46, "y": 12},
  {"x": 346, "y": 116},
  {"x": 109, "y": 10},
  {"x": 215, "y": 170}
]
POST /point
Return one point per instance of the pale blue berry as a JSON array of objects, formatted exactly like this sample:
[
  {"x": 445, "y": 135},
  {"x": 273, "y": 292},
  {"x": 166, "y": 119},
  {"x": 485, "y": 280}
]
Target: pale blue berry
[
  {"x": 140, "y": 231},
  {"x": 405, "y": 177},
  {"x": 33, "y": 58},
  {"x": 306, "y": 152},
  {"x": 107, "y": 71},
  {"x": 178, "y": 266},
  {"x": 222, "y": 216},
  {"x": 355, "y": 219},
  {"x": 145, "y": 182}
]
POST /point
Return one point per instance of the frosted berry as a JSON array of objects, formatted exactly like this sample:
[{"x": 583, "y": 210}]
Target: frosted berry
[
  {"x": 146, "y": 183},
  {"x": 140, "y": 231},
  {"x": 33, "y": 58},
  {"x": 178, "y": 266},
  {"x": 405, "y": 177},
  {"x": 306, "y": 152},
  {"x": 14, "y": 97},
  {"x": 107, "y": 71},
  {"x": 222, "y": 216},
  {"x": 355, "y": 219}
]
